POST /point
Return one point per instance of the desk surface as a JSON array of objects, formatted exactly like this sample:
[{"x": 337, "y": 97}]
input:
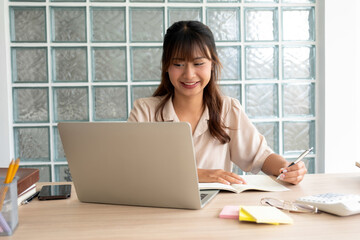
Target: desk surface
[{"x": 71, "y": 219}]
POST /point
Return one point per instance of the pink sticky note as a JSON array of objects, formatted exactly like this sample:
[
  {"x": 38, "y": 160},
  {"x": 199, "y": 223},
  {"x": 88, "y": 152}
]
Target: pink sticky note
[{"x": 231, "y": 212}]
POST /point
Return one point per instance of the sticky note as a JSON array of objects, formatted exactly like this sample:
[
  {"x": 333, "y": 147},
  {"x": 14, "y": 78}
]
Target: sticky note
[
  {"x": 230, "y": 212},
  {"x": 263, "y": 214}
]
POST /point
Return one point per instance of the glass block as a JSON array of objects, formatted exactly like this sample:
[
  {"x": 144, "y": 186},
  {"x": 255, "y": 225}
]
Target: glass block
[
  {"x": 270, "y": 130},
  {"x": 262, "y": 1},
  {"x": 110, "y": 103},
  {"x": 261, "y": 24},
  {"x": 224, "y": 23},
  {"x": 261, "y": 100},
  {"x": 68, "y": 0},
  {"x": 146, "y": 63},
  {"x": 141, "y": 92},
  {"x": 147, "y": 0},
  {"x": 298, "y": 1},
  {"x": 68, "y": 24},
  {"x": 29, "y": 65},
  {"x": 28, "y": 24},
  {"x": 58, "y": 147},
  {"x": 31, "y": 105},
  {"x": 69, "y": 64},
  {"x": 71, "y": 104},
  {"x": 184, "y": 14},
  {"x": 27, "y": 0},
  {"x": 298, "y": 24},
  {"x": 108, "y": 24},
  {"x": 237, "y": 170},
  {"x": 298, "y": 100},
  {"x": 298, "y": 136},
  {"x": 146, "y": 24},
  {"x": 44, "y": 171},
  {"x": 62, "y": 173},
  {"x": 230, "y": 60},
  {"x": 32, "y": 144},
  {"x": 261, "y": 62},
  {"x": 107, "y": 0},
  {"x": 186, "y": 1},
  {"x": 109, "y": 64},
  {"x": 299, "y": 62},
  {"x": 232, "y": 90},
  {"x": 224, "y": 1},
  {"x": 310, "y": 164}
]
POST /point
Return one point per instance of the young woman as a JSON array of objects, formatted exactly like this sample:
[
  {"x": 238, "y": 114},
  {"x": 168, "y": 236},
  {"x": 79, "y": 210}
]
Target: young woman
[{"x": 189, "y": 92}]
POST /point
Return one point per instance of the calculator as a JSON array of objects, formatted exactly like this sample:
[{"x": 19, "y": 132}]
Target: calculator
[{"x": 334, "y": 203}]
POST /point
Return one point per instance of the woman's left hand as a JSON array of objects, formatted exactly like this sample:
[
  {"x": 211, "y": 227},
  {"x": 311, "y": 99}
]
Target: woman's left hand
[{"x": 294, "y": 174}]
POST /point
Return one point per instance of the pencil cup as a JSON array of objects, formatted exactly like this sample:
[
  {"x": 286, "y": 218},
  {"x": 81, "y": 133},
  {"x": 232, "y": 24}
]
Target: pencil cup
[{"x": 9, "y": 207}]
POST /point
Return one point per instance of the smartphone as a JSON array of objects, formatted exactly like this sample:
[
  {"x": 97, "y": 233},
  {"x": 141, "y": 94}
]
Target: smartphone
[{"x": 52, "y": 192}]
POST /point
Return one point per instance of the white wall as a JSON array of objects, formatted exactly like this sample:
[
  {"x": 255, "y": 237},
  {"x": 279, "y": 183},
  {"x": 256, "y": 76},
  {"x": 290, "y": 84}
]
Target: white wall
[{"x": 342, "y": 87}]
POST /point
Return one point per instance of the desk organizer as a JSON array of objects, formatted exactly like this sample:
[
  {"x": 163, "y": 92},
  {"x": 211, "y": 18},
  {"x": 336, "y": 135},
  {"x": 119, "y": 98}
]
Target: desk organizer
[{"x": 9, "y": 208}]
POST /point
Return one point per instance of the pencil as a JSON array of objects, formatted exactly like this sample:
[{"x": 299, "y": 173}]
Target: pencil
[
  {"x": 15, "y": 168},
  {"x": 9, "y": 171}
]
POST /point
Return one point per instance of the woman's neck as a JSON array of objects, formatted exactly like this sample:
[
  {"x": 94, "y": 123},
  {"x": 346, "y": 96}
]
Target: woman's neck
[
  {"x": 189, "y": 109},
  {"x": 188, "y": 104}
]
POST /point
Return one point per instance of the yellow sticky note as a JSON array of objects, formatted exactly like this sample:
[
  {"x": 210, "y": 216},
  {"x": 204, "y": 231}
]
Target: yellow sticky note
[
  {"x": 264, "y": 214},
  {"x": 244, "y": 216}
]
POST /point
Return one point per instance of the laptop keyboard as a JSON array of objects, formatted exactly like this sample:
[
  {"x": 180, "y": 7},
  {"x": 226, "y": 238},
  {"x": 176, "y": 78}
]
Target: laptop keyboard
[{"x": 203, "y": 195}]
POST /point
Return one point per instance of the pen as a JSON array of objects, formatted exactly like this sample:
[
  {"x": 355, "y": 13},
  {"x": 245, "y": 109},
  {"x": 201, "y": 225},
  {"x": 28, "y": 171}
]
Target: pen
[
  {"x": 298, "y": 159},
  {"x": 30, "y": 198}
]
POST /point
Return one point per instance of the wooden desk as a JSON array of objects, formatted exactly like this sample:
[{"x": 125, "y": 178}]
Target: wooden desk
[{"x": 71, "y": 219}]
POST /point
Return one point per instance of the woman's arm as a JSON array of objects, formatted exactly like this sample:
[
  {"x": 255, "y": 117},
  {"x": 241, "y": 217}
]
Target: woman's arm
[{"x": 275, "y": 164}]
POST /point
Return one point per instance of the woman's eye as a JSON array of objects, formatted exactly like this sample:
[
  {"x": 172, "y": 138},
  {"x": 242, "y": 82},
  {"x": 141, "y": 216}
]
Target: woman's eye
[
  {"x": 178, "y": 64},
  {"x": 199, "y": 63}
]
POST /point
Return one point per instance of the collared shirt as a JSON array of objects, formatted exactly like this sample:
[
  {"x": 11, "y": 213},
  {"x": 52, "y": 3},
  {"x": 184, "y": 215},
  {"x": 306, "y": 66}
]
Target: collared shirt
[{"x": 247, "y": 148}]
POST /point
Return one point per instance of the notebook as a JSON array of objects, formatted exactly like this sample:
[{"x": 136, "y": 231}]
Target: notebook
[{"x": 142, "y": 164}]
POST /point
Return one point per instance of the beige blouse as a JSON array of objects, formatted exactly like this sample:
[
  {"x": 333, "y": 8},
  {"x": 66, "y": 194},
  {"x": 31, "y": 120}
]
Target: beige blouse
[{"x": 247, "y": 148}]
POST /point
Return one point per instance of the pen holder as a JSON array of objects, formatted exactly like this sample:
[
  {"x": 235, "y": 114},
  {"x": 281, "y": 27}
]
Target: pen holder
[{"x": 9, "y": 207}]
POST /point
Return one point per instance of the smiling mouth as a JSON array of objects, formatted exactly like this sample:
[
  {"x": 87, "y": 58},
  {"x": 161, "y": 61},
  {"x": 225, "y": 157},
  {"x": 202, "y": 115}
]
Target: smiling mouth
[{"x": 189, "y": 83}]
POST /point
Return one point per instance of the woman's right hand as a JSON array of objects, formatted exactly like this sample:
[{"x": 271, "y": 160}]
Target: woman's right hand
[{"x": 220, "y": 176}]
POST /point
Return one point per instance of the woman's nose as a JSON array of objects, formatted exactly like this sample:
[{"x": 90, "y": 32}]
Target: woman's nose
[{"x": 189, "y": 71}]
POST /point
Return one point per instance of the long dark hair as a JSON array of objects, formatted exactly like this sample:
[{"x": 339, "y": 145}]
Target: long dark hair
[{"x": 182, "y": 40}]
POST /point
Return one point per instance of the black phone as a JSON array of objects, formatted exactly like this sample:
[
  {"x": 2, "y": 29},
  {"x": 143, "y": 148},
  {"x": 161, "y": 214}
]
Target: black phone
[{"x": 52, "y": 192}]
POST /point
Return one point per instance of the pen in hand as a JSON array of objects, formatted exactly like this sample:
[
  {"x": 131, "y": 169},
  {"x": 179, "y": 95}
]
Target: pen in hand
[{"x": 298, "y": 159}]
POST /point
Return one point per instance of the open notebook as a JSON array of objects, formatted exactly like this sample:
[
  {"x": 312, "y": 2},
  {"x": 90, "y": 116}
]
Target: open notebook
[{"x": 254, "y": 182}]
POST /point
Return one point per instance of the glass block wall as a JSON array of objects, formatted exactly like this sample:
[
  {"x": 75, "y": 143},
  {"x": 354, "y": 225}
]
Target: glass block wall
[{"x": 88, "y": 60}]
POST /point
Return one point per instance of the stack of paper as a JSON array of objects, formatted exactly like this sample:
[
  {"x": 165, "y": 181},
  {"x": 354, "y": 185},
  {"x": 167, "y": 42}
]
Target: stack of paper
[{"x": 263, "y": 214}]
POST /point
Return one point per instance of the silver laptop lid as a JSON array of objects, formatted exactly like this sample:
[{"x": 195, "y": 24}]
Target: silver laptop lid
[{"x": 145, "y": 164}]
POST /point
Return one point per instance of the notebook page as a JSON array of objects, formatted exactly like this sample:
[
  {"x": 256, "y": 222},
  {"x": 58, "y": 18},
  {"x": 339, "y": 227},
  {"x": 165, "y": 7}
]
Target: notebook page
[{"x": 259, "y": 182}]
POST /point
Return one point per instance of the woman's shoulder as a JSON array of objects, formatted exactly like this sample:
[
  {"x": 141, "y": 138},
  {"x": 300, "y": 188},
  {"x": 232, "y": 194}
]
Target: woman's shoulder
[
  {"x": 144, "y": 109},
  {"x": 230, "y": 103},
  {"x": 232, "y": 111}
]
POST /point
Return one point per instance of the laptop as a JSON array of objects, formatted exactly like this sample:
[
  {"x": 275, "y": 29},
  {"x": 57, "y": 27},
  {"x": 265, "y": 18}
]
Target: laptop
[{"x": 142, "y": 164}]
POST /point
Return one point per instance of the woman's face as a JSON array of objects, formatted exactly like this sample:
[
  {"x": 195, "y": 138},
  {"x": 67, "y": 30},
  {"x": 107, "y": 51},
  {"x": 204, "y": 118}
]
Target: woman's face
[{"x": 189, "y": 78}]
